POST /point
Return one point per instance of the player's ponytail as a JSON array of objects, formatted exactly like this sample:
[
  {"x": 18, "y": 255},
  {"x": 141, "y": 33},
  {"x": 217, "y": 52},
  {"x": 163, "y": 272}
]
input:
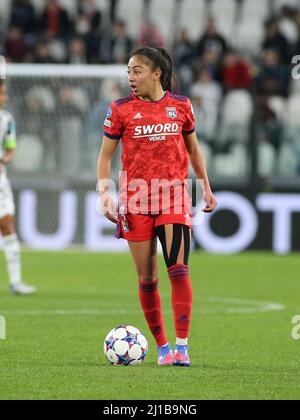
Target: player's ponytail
[
  {"x": 159, "y": 58},
  {"x": 167, "y": 74}
]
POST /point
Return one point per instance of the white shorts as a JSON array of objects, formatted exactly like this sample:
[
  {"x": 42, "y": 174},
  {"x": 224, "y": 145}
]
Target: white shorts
[{"x": 7, "y": 205}]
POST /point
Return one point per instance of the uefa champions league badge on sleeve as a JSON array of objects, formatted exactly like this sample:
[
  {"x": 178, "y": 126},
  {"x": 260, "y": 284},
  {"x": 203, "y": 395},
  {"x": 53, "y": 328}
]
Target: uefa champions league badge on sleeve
[
  {"x": 171, "y": 112},
  {"x": 109, "y": 112},
  {"x": 107, "y": 123}
]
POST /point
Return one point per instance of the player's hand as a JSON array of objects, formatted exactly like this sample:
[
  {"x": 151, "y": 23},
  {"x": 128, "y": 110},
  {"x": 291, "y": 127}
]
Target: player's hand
[
  {"x": 108, "y": 208},
  {"x": 210, "y": 202}
]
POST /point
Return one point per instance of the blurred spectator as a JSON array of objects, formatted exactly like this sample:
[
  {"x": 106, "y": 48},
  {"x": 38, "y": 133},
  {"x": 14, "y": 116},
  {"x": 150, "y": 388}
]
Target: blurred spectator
[
  {"x": 55, "y": 21},
  {"x": 211, "y": 40},
  {"x": 275, "y": 40},
  {"x": 82, "y": 25},
  {"x": 72, "y": 101},
  {"x": 42, "y": 53},
  {"x": 89, "y": 17},
  {"x": 235, "y": 73},
  {"x": 288, "y": 23},
  {"x": 15, "y": 45},
  {"x": 88, "y": 26},
  {"x": 210, "y": 60},
  {"x": 183, "y": 56},
  {"x": 274, "y": 77},
  {"x": 121, "y": 44},
  {"x": 269, "y": 128},
  {"x": 22, "y": 15},
  {"x": 151, "y": 36},
  {"x": 40, "y": 100},
  {"x": 58, "y": 50},
  {"x": 93, "y": 43},
  {"x": 77, "y": 52},
  {"x": 116, "y": 47},
  {"x": 183, "y": 52},
  {"x": 207, "y": 93}
]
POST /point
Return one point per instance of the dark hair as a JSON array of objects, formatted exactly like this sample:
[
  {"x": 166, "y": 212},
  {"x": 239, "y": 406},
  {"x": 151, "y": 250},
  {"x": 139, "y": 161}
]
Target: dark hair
[{"x": 159, "y": 58}]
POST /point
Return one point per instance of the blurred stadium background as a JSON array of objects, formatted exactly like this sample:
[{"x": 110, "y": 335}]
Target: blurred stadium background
[{"x": 67, "y": 63}]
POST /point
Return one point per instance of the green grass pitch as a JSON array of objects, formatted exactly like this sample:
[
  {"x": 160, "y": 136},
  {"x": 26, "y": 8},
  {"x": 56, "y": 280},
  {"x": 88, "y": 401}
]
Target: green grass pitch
[{"x": 240, "y": 343}]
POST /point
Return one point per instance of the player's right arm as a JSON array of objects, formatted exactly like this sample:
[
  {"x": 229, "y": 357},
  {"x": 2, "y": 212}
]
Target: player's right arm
[
  {"x": 107, "y": 151},
  {"x": 113, "y": 129}
]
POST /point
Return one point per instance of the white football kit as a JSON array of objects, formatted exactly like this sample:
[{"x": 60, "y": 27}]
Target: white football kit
[{"x": 7, "y": 142}]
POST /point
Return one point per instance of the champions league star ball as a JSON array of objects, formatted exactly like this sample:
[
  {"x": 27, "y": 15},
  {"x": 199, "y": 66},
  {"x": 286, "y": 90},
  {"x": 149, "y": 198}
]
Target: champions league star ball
[{"x": 125, "y": 345}]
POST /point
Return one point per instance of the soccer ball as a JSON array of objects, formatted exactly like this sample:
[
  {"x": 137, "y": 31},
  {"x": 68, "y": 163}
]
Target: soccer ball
[{"x": 125, "y": 345}]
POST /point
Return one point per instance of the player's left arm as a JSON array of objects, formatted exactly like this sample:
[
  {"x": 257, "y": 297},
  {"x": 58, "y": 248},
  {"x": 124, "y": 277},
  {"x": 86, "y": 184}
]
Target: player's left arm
[{"x": 199, "y": 166}]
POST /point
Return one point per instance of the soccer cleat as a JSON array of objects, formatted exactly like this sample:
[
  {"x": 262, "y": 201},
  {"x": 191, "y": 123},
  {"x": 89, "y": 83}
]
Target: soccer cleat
[
  {"x": 22, "y": 289},
  {"x": 165, "y": 356},
  {"x": 181, "y": 356}
]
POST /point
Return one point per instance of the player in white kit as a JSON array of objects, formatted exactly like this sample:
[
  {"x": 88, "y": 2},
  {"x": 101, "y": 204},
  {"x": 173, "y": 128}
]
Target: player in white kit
[{"x": 11, "y": 244}]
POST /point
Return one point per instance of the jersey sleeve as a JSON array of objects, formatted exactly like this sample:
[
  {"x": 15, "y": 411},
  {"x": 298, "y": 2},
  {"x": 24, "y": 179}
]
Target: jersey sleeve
[
  {"x": 113, "y": 126},
  {"x": 10, "y": 139},
  {"x": 189, "y": 124}
]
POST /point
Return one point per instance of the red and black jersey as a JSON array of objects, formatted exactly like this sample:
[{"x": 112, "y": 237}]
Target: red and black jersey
[{"x": 153, "y": 146}]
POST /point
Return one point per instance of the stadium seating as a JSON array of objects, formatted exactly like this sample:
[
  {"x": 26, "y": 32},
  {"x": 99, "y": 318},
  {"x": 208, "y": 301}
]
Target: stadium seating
[
  {"x": 289, "y": 29},
  {"x": 244, "y": 30},
  {"x": 233, "y": 164},
  {"x": 29, "y": 154},
  {"x": 249, "y": 31},
  {"x": 224, "y": 12},
  {"x": 132, "y": 12},
  {"x": 266, "y": 159},
  {"x": 236, "y": 114},
  {"x": 295, "y": 86},
  {"x": 278, "y": 106},
  {"x": 289, "y": 153},
  {"x": 207, "y": 152},
  {"x": 161, "y": 13},
  {"x": 193, "y": 17},
  {"x": 288, "y": 161},
  {"x": 280, "y": 3},
  {"x": 5, "y": 9},
  {"x": 293, "y": 107}
]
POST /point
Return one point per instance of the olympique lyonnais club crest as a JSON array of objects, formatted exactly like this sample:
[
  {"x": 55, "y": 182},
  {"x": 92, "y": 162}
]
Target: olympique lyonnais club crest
[{"x": 171, "y": 112}]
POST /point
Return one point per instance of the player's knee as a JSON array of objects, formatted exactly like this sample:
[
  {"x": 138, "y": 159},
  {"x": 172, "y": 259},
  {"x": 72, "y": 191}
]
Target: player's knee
[{"x": 147, "y": 278}]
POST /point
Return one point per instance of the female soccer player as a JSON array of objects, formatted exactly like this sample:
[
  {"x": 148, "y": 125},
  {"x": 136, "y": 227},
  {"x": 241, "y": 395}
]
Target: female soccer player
[
  {"x": 7, "y": 207},
  {"x": 158, "y": 141}
]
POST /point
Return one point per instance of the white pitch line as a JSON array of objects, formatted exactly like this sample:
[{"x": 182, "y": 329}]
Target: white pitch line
[{"x": 253, "y": 307}]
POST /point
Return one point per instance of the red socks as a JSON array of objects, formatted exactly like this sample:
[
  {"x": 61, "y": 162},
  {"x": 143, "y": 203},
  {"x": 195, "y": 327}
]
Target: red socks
[
  {"x": 181, "y": 302},
  {"x": 151, "y": 305},
  {"x": 181, "y": 298}
]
